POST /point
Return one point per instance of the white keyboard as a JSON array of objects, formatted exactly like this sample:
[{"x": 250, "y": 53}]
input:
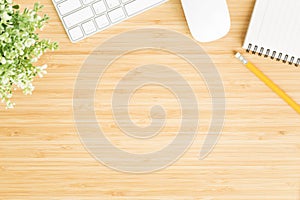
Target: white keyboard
[{"x": 83, "y": 18}]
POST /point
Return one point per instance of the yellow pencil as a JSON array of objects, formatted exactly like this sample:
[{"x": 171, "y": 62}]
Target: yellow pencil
[{"x": 269, "y": 83}]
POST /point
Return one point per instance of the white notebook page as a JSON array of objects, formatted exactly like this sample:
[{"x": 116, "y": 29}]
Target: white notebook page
[{"x": 275, "y": 26}]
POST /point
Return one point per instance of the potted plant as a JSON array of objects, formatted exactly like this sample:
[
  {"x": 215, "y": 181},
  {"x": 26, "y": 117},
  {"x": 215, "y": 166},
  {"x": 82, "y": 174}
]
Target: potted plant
[{"x": 20, "y": 48}]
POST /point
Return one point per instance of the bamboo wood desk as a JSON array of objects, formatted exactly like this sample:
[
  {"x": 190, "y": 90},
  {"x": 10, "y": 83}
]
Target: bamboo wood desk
[{"x": 257, "y": 156}]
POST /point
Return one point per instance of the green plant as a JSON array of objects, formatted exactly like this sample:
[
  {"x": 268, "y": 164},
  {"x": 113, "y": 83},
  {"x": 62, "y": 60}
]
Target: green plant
[{"x": 20, "y": 48}]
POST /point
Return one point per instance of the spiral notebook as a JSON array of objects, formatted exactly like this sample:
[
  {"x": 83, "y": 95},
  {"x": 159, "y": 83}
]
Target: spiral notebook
[{"x": 274, "y": 30}]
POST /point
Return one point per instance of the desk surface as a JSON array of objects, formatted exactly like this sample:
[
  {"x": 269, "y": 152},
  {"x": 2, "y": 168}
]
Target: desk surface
[{"x": 257, "y": 156}]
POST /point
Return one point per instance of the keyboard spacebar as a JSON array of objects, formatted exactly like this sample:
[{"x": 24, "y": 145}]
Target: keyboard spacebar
[
  {"x": 78, "y": 17},
  {"x": 140, "y": 5}
]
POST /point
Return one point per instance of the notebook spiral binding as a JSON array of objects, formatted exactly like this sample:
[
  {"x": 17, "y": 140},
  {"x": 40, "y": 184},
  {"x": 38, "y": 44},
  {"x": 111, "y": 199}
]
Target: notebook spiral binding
[{"x": 273, "y": 55}]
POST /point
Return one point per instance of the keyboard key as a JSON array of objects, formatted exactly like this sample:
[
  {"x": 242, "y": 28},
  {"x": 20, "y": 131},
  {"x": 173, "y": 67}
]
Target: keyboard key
[
  {"x": 102, "y": 21},
  {"x": 139, "y": 5},
  {"x": 87, "y": 1},
  {"x": 99, "y": 7},
  {"x": 68, "y": 6},
  {"x": 116, "y": 15},
  {"x": 78, "y": 17},
  {"x": 76, "y": 33},
  {"x": 113, "y": 3},
  {"x": 89, "y": 27}
]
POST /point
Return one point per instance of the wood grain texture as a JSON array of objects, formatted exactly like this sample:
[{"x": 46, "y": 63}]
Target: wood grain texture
[{"x": 257, "y": 156}]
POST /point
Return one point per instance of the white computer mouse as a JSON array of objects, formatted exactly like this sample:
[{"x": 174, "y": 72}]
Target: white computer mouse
[{"x": 208, "y": 20}]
